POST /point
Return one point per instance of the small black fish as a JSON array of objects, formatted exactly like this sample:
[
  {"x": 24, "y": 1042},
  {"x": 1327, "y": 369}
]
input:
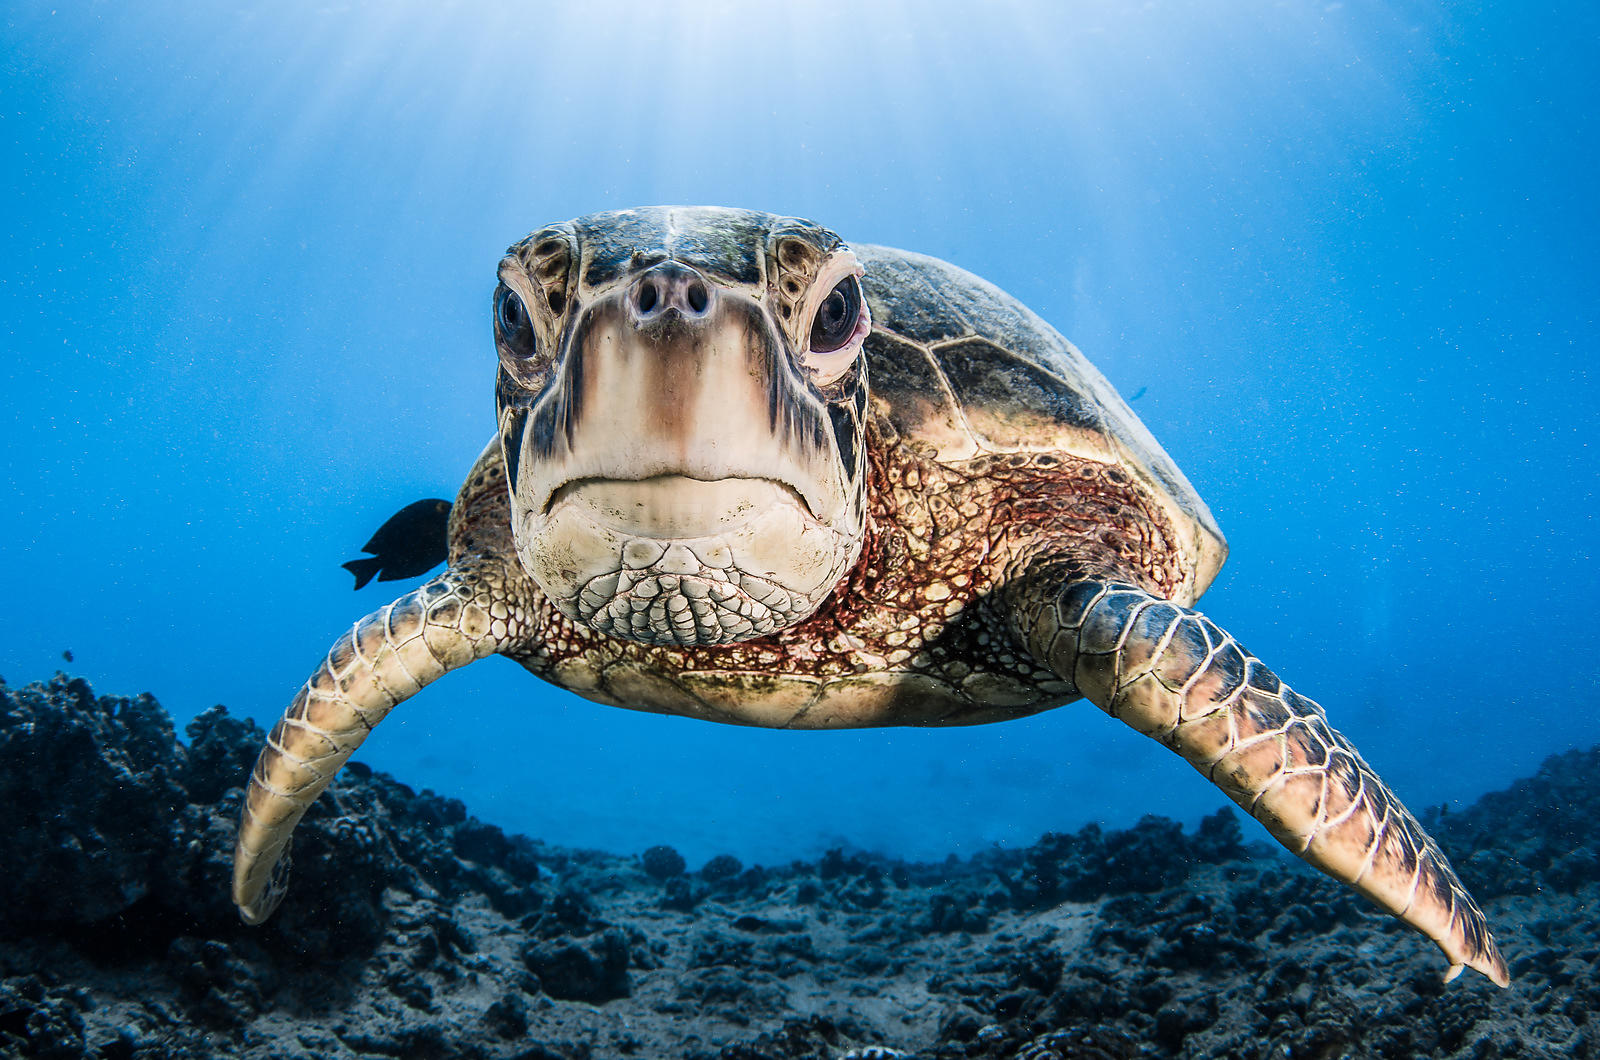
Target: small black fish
[
  {"x": 1137, "y": 394},
  {"x": 67, "y": 655},
  {"x": 412, "y": 542}
]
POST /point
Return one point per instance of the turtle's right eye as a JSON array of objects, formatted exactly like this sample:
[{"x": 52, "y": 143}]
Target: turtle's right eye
[{"x": 512, "y": 324}]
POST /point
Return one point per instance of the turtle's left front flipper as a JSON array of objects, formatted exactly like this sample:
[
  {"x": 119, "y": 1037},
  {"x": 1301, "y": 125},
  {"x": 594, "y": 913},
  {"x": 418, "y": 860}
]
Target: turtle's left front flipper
[{"x": 1172, "y": 674}]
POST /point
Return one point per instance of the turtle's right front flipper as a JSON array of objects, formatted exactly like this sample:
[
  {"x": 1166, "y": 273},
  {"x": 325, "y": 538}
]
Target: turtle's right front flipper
[
  {"x": 457, "y": 618},
  {"x": 1172, "y": 674}
]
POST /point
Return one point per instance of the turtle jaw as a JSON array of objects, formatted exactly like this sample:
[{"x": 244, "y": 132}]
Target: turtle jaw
[{"x": 675, "y": 560}]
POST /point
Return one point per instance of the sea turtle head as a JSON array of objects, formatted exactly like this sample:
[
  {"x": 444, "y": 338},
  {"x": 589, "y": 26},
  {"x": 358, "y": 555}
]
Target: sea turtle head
[{"x": 681, "y": 403}]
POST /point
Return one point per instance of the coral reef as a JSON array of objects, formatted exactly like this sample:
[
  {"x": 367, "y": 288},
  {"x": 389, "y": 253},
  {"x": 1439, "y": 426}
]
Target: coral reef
[{"x": 415, "y": 930}]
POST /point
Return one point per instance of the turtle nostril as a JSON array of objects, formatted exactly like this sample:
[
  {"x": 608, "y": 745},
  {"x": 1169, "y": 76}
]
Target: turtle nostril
[
  {"x": 670, "y": 291},
  {"x": 647, "y": 297},
  {"x": 697, "y": 297}
]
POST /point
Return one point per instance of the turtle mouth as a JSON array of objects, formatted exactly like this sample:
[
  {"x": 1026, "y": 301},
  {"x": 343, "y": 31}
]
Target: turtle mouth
[
  {"x": 670, "y": 506},
  {"x": 673, "y": 559}
]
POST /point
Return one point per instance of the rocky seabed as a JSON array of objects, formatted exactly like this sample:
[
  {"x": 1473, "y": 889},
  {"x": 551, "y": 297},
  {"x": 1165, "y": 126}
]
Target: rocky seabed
[{"x": 414, "y": 930}]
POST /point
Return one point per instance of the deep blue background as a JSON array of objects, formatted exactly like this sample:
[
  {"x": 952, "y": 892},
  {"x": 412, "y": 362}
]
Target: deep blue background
[{"x": 1347, "y": 252}]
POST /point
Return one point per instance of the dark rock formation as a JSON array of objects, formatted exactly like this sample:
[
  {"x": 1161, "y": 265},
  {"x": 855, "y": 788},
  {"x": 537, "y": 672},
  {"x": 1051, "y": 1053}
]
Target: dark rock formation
[
  {"x": 95, "y": 804},
  {"x": 413, "y": 929},
  {"x": 662, "y": 863}
]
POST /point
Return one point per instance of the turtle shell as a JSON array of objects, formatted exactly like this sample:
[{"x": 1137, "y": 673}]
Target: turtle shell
[{"x": 966, "y": 370}]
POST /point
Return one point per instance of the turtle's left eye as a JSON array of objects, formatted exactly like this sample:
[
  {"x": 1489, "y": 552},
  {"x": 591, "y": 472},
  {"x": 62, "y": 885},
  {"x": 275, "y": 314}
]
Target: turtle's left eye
[
  {"x": 513, "y": 324},
  {"x": 837, "y": 317}
]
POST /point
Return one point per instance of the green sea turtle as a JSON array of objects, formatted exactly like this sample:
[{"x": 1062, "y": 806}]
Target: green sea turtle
[{"x": 748, "y": 473}]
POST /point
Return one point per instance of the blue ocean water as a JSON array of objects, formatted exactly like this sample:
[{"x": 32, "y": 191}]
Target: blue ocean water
[{"x": 1341, "y": 256}]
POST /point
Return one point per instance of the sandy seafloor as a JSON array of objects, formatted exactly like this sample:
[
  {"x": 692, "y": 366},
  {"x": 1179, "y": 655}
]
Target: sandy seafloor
[{"x": 414, "y": 930}]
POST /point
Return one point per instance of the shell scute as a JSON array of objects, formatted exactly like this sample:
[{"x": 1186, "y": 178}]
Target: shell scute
[
  {"x": 904, "y": 299},
  {"x": 918, "y": 400},
  {"x": 1014, "y": 403}
]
